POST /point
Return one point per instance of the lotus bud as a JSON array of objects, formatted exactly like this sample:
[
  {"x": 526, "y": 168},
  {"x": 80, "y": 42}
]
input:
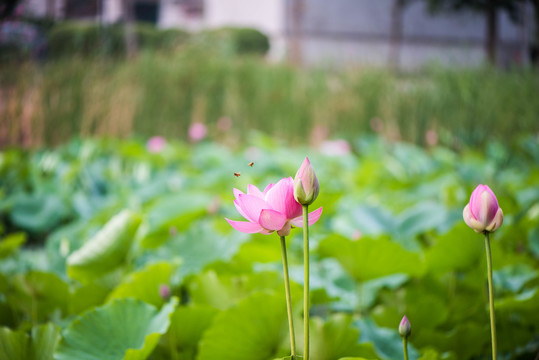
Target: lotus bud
[
  {"x": 164, "y": 292},
  {"x": 306, "y": 185},
  {"x": 483, "y": 214},
  {"x": 404, "y": 327}
]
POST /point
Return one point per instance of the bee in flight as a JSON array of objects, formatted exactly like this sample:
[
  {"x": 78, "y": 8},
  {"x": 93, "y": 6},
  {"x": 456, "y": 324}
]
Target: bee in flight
[
  {"x": 251, "y": 164},
  {"x": 237, "y": 174}
]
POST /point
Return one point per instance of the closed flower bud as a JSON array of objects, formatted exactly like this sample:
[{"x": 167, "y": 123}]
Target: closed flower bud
[
  {"x": 404, "y": 327},
  {"x": 164, "y": 292},
  {"x": 306, "y": 185},
  {"x": 483, "y": 214}
]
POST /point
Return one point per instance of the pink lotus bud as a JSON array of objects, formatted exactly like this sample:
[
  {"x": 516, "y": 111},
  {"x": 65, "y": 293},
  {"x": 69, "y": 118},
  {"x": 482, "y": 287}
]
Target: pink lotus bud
[
  {"x": 483, "y": 214},
  {"x": 164, "y": 292},
  {"x": 405, "y": 329},
  {"x": 197, "y": 131},
  {"x": 156, "y": 144},
  {"x": 306, "y": 185}
]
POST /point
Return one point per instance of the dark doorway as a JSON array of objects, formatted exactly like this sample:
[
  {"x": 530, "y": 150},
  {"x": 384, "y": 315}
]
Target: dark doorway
[{"x": 146, "y": 12}]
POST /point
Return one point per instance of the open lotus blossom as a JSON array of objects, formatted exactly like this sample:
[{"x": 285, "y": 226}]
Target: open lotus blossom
[
  {"x": 483, "y": 212},
  {"x": 273, "y": 209}
]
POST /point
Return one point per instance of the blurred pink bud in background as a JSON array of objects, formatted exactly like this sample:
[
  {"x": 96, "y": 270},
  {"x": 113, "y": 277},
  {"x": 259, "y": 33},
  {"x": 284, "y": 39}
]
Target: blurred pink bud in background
[
  {"x": 156, "y": 144},
  {"x": 337, "y": 147},
  {"x": 197, "y": 131},
  {"x": 164, "y": 291}
]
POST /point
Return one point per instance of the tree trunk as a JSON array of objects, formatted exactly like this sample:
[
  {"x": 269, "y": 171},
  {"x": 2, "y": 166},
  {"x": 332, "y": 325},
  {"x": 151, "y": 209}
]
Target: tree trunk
[
  {"x": 396, "y": 34},
  {"x": 535, "y": 41},
  {"x": 491, "y": 46},
  {"x": 50, "y": 9},
  {"x": 295, "y": 51},
  {"x": 129, "y": 29}
]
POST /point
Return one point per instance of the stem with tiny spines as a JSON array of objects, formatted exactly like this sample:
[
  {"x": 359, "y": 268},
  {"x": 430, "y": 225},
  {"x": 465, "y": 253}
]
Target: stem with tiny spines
[
  {"x": 288, "y": 300},
  {"x": 491, "y": 296},
  {"x": 306, "y": 281},
  {"x": 405, "y": 346}
]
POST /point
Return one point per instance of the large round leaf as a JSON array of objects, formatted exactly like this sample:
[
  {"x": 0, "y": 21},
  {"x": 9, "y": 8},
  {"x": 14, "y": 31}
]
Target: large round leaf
[
  {"x": 370, "y": 258},
  {"x": 335, "y": 338},
  {"x": 127, "y": 329},
  {"x": 38, "y": 212},
  {"x": 144, "y": 284},
  {"x": 252, "y": 330},
  {"x": 38, "y": 293},
  {"x": 387, "y": 342},
  {"x": 176, "y": 212},
  {"x": 106, "y": 250}
]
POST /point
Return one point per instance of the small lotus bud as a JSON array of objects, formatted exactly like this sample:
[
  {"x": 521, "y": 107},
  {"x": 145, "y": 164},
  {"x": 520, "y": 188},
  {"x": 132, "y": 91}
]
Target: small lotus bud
[
  {"x": 404, "y": 327},
  {"x": 164, "y": 292},
  {"x": 306, "y": 185},
  {"x": 483, "y": 214}
]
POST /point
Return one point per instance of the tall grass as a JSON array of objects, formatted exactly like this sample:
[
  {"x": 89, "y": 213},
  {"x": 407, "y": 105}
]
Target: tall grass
[{"x": 163, "y": 94}]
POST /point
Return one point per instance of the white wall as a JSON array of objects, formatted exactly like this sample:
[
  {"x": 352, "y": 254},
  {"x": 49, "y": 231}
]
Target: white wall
[
  {"x": 267, "y": 16},
  {"x": 112, "y": 11}
]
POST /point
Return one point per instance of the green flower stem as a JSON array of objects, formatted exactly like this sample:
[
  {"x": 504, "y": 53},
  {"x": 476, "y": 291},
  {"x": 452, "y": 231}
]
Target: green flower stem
[
  {"x": 306, "y": 281},
  {"x": 405, "y": 346},
  {"x": 288, "y": 300},
  {"x": 491, "y": 296}
]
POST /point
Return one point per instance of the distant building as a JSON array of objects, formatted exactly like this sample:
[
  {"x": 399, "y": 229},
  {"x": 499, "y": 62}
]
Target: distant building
[{"x": 336, "y": 32}]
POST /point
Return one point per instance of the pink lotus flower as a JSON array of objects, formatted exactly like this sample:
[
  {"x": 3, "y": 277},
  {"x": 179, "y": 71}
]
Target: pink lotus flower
[
  {"x": 156, "y": 144},
  {"x": 273, "y": 209},
  {"x": 483, "y": 212},
  {"x": 197, "y": 131}
]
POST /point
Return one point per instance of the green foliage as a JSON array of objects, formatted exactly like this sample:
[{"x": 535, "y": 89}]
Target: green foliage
[
  {"x": 204, "y": 81},
  {"x": 246, "y": 332},
  {"x": 11, "y": 243},
  {"x": 106, "y": 250},
  {"x": 391, "y": 241},
  {"x": 86, "y": 39},
  {"x": 124, "y": 329},
  {"x": 229, "y": 41},
  {"x": 38, "y": 345}
]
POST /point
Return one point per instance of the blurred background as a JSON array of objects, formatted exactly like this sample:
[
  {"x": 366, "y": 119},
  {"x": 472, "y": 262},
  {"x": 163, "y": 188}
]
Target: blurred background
[
  {"x": 426, "y": 71},
  {"x": 125, "y": 125}
]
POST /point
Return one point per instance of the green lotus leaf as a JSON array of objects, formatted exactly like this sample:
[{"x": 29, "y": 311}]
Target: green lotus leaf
[
  {"x": 369, "y": 258},
  {"x": 38, "y": 212},
  {"x": 144, "y": 284},
  {"x": 335, "y": 338},
  {"x": 458, "y": 249},
  {"x": 252, "y": 330},
  {"x": 387, "y": 342},
  {"x": 125, "y": 329},
  {"x": 38, "y": 345},
  {"x": 38, "y": 293},
  {"x": 11, "y": 243},
  {"x": 175, "y": 212},
  {"x": 198, "y": 247},
  {"x": 106, "y": 250},
  {"x": 188, "y": 324}
]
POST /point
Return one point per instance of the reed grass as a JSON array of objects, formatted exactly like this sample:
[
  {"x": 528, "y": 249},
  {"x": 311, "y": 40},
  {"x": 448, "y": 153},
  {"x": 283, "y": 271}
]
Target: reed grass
[{"x": 162, "y": 94}]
